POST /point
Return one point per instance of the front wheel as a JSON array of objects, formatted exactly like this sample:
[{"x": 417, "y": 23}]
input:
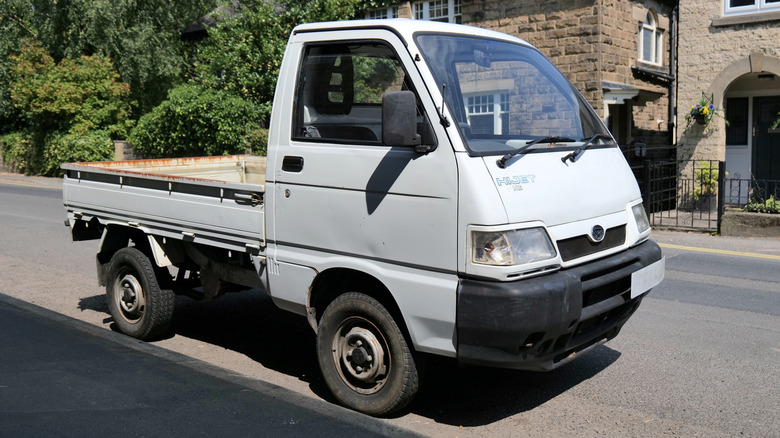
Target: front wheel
[
  {"x": 364, "y": 357},
  {"x": 139, "y": 307}
]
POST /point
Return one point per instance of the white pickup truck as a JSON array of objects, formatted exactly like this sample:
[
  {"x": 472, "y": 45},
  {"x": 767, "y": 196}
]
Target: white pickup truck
[{"x": 430, "y": 189}]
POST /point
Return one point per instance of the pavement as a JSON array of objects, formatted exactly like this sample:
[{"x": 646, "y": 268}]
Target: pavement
[
  {"x": 30, "y": 181},
  {"x": 64, "y": 377},
  {"x": 757, "y": 247}
]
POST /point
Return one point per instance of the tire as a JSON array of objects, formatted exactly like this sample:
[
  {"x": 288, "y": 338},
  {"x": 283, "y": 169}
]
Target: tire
[
  {"x": 364, "y": 356},
  {"x": 139, "y": 307}
]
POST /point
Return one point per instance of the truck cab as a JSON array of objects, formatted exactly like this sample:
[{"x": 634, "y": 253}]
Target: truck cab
[{"x": 509, "y": 197}]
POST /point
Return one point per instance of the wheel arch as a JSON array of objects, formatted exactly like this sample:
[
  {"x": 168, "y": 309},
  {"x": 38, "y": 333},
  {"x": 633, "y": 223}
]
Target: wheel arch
[
  {"x": 333, "y": 282},
  {"x": 116, "y": 237}
]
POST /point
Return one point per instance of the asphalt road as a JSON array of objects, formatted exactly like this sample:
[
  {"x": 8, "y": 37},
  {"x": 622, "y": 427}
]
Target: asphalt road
[
  {"x": 699, "y": 358},
  {"x": 63, "y": 377}
]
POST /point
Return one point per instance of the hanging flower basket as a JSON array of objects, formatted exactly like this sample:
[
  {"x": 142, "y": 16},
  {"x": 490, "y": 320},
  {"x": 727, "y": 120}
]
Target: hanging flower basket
[{"x": 702, "y": 113}]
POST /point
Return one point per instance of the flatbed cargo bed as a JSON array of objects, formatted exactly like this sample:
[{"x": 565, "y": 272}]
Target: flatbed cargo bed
[{"x": 212, "y": 200}]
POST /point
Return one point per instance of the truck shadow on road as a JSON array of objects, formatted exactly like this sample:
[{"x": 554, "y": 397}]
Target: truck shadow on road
[
  {"x": 95, "y": 303},
  {"x": 248, "y": 323},
  {"x": 478, "y": 396}
]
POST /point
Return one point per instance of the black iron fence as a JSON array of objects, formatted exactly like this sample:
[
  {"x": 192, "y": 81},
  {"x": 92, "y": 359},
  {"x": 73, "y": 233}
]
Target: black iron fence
[
  {"x": 739, "y": 192},
  {"x": 694, "y": 194},
  {"x": 682, "y": 194}
]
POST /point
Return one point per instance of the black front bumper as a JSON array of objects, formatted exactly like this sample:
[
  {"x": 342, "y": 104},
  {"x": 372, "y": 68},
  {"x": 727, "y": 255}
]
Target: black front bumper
[{"x": 541, "y": 323}]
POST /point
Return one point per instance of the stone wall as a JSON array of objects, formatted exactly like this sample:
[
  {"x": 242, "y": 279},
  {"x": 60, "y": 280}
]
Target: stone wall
[
  {"x": 740, "y": 224},
  {"x": 620, "y": 52},
  {"x": 713, "y": 52},
  {"x": 123, "y": 150}
]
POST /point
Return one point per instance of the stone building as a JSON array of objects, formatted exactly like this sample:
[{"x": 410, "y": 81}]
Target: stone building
[
  {"x": 729, "y": 55},
  {"x": 616, "y": 52}
]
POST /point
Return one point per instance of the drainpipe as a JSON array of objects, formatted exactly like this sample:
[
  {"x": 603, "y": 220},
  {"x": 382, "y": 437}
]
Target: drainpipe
[{"x": 673, "y": 83}]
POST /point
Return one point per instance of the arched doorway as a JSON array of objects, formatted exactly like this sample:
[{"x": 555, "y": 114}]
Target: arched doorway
[{"x": 752, "y": 104}]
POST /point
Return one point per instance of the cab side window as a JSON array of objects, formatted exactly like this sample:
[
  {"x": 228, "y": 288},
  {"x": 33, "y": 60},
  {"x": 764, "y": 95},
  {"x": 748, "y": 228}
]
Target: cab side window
[{"x": 340, "y": 89}]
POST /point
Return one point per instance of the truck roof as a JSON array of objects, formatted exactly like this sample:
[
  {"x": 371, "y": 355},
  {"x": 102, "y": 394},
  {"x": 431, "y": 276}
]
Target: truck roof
[{"x": 406, "y": 28}]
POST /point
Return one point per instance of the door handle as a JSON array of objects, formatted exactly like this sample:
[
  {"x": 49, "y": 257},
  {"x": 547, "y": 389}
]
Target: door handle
[
  {"x": 252, "y": 199},
  {"x": 292, "y": 164}
]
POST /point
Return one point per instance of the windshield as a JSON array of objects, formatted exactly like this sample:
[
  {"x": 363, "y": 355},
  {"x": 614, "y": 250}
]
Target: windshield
[{"x": 503, "y": 95}]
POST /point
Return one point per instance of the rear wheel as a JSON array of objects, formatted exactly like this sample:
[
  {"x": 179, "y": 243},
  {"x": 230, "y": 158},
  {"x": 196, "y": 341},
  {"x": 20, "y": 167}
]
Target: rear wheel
[
  {"x": 139, "y": 307},
  {"x": 364, "y": 356}
]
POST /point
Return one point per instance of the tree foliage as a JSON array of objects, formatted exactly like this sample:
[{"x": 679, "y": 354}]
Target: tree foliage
[
  {"x": 33, "y": 153},
  {"x": 143, "y": 39},
  {"x": 15, "y": 27},
  {"x": 194, "y": 121},
  {"x": 73, "y": 96},
  {"x": 61, "y": 148},
  {"x": 66, "y": 111},
  {"x": 18, "y": 151},
  {"x": 243, "y": 53},
  {"x": 69, "y": 70},
  {"x": 373, "y": 77}
]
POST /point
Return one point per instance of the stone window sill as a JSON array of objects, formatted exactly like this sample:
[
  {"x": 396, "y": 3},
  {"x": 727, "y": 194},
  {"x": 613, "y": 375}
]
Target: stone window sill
[
  {"x": 647, "y": 67},
  {"x": 759, "y": 17}
]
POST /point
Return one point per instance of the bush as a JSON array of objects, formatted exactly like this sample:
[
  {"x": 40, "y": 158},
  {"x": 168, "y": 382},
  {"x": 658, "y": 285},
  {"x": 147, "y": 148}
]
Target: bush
[
  {"x": 197, "y": 121},
  {"x": 706, "y": 180},
  {"x": 68, "y": 111},
  {"x": 74, "y": 95},
  {"x": 71, "y": 148},
  {"x": 771, "y": 205},
  {"x": 29, "y": 154},
  {"x": 258, "y": 138},
  {"x": 243, "y": 52},
  {"x": 18, "y": 151}
]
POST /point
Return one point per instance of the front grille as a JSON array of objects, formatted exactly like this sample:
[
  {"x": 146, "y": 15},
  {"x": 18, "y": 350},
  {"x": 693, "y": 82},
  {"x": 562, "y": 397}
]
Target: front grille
[
  {"x": 581, "y": 246},
  {"x": 606, "y": 305},
  {"x": 602, "y": 327}
]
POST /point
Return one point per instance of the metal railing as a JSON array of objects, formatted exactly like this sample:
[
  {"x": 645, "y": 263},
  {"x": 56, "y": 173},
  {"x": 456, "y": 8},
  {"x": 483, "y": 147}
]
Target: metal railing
[
  {"x": 739, "y": 192},
  {"x": 683, "y": 194},
  {"x": 693, "y": 194}
]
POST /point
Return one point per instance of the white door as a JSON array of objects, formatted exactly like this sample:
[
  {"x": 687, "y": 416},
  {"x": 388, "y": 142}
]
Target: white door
[{"x": 341, "y": 192}]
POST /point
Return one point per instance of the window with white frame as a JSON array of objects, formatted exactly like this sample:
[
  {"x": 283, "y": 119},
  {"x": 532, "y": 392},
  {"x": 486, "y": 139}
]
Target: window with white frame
[
  {"x": 651, "y": 40},
  {"x": 488, "y": 113},
  {"x": 382, "y": 13},
  {"x": 742, "y": 7},
  {"x": 447, "y": 11}
]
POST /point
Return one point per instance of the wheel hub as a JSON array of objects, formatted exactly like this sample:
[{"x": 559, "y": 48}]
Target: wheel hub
[
  {"x": 130, "y": 296},
  {"x": 362, "y": 355}
]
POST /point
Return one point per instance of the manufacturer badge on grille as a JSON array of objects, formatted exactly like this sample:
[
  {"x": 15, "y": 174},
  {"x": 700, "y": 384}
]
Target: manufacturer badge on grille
[{"x": 597, "y": 233}]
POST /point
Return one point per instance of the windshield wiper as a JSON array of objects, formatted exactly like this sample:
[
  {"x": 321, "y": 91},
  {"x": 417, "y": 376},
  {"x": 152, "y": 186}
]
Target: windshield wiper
[
  {"x": 502, "y": 162},
  {"x": 588, "y": 142}
]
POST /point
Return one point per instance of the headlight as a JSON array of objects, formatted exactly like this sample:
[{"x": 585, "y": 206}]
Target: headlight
[
  {"x": 642, "y": 224},
  {"x": 512, "y": 247}
]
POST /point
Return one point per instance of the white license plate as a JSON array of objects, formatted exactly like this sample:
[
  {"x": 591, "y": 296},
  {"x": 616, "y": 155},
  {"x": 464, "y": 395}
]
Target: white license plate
[{"x": 647, "y": 278}]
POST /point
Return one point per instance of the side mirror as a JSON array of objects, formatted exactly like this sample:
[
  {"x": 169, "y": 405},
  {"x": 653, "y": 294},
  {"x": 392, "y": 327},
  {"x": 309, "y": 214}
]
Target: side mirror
[{"x": 399, "y": 119}]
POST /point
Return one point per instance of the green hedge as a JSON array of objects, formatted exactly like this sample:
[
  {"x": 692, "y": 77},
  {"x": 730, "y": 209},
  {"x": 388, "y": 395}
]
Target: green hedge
[
  {"x": 18, "y": 151},
  {"x": 198, "y": 121},
  {"x": 24, "y": 152},
  {"x": 73, "y": 148}
]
